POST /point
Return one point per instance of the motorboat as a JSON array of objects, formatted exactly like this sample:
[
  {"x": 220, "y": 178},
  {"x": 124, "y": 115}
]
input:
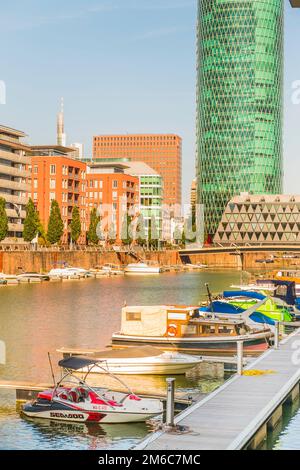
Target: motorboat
[
  {"x": 186, "y": 329},
  {"x": 32, "y": 277},
  {"x": 68, "y": 272},
  {"x": 142, "y": 268},
  {"x": 237, "y": 302},
  {"x": 72, "y": 399},
  {"x": 144, "y": 360},
  {"x": 9, "y": 279},
  {"x": 112, "y": 269}
]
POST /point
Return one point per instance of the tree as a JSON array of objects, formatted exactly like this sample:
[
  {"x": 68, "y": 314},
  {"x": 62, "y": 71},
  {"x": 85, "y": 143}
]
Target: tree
[
  {"x": 112, "y": 234},
  {"x": 31, "y": 223},
  {"x": 92, "y": 234},
  {"x": 55, "y": 224},
  {"x": 140, "y": 231},
  {"x": 126, "y": 231},
  {"x": 153, "y": 233},
  {"x": 3, "y": 219},
  {"x": 75, "y": 224}
]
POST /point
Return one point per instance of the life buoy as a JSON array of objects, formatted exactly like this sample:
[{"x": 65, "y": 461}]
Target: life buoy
[{"x": 172, "y": 330}]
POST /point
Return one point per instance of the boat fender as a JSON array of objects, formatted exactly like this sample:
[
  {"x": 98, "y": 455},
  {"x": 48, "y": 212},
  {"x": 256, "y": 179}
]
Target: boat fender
[{"x": 172, "y": 330}]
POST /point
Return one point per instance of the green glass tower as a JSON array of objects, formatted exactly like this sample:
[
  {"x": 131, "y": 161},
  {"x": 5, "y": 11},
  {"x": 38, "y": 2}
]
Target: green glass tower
[{"x": 239, "y": 102}]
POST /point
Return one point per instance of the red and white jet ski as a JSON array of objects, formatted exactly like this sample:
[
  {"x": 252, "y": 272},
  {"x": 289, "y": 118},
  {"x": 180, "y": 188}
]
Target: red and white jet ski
[{"x": 82, "y": 403}]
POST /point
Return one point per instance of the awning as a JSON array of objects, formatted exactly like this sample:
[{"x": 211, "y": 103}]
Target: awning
[{"x": 77, "y": 362}]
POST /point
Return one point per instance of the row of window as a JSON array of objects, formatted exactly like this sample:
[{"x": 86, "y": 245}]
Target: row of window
[{"x": 66, "y": 170}]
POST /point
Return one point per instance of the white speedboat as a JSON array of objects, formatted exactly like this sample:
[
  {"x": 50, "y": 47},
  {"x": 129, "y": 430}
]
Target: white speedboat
[
  {"x": 81, "y": 403},
  {"x": 142, "y": 268},
  {"x": 69, "y": 272},
  {"x": 144, "y": 360},
  {"x": 32, "y": 277}
]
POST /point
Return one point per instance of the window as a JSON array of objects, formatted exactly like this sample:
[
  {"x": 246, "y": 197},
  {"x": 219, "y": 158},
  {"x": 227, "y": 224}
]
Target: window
[
  {"x": 101, "y": 184},
  {"x": 35, "y": 183},
  {"x": 115, "y": 184},
  {"x": 35, "y": 169},
  {"x": 133, "y": 316},
  {"x": 52, "y": 196},
  {"x": 35, "y": 196},
  {"x": 52, "y": 184},
  {"x": 52, "y": 169},
  {"x": 96, "y": 184},
  {"x": 115, "y": 194}
]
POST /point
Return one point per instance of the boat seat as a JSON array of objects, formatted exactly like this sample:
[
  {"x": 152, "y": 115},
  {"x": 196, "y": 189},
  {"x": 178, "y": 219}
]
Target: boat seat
[
  {"x": 74, "y": 396},
  {"x": 46, "y": 395}
]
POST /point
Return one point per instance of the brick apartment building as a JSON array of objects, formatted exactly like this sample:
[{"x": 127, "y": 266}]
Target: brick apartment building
[
  {"x": 163, "y": 153},
  {"x": 114, "y": 192},
  {"x": 57, "y": 175}
]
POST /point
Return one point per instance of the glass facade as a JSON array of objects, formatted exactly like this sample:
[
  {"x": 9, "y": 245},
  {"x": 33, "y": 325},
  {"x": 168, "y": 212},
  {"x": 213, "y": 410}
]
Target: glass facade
[
  {"x": 151, "y": 200},
  {"x": 239, "y": 102}
]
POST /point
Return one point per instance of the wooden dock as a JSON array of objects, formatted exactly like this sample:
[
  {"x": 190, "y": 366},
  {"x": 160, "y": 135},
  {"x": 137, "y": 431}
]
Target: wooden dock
[{"x": 239, "y": 413}]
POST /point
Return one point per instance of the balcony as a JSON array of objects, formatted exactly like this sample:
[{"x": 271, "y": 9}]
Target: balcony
[
  {"x": 12, "y": 171},
  {"x": 14, "y": 157},
  {"x": 15, "y": 185},
  {"x": 13, "y": 214},
  {"x": 12, "y": 198},
  {"x": 15, "y": 227}
]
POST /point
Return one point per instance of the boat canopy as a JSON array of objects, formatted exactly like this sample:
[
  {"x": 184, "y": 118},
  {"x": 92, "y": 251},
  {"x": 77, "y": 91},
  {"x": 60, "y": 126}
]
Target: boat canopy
[
  {"x": 144, "y": 321},
  {"x": 244, "y": 293},
  {"x": 77, "y": 362}
]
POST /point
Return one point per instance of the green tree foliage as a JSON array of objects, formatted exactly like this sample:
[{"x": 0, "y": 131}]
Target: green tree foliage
[
  {"x": 75, "y": 224},
  {"x": 55, "y": 224},
  {"x": 32, "y": 225},
  {"x": 3, "y": 219},
  {"x": 92, "y": 234}
]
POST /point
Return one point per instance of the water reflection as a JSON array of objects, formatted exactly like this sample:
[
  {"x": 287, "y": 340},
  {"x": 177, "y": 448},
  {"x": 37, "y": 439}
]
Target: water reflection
[{"x": 35, "y": 319}]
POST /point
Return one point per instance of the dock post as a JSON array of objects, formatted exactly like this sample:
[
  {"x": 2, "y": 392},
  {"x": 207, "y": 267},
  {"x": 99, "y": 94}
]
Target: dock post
[
  {"x": 170, "y": 403},
  {"x": 240, "y": 357},
  {"x": 276, "y": 338}
]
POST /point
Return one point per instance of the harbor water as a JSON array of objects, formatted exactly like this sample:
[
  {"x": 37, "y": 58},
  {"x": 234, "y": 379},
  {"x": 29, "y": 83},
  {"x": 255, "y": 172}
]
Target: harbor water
[{"x": 39, "y": 318}]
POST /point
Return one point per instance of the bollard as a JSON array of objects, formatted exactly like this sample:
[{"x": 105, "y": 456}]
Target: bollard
[
  {"x": 240, "y": 357},
  {"x": 170, "y": 411},
  {"x": 277, "y": 332}
]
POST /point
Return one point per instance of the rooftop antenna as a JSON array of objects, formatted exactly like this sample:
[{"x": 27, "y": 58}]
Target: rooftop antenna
[{"x": 61, "y": 136}]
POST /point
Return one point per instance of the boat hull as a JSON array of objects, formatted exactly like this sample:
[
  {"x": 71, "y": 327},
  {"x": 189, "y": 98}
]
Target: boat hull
[
  {"x": 60, "y": 412},
  {"x": 253, "y": 344},
  {"x": 145, "y": 369}
]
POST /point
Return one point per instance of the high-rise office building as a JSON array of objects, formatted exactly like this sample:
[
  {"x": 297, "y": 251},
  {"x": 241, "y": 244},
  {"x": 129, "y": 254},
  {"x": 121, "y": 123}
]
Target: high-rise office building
[
  {"x": 239, "y": 102},
  {"x": 163, "y": 153}
]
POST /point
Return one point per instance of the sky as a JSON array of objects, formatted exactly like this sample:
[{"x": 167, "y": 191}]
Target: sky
[{"x": 122, "y": 66}]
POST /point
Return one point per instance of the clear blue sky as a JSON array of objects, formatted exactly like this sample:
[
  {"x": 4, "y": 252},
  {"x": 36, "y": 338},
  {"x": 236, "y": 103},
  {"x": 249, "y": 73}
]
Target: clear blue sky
[{"x": 122, "y": 66}]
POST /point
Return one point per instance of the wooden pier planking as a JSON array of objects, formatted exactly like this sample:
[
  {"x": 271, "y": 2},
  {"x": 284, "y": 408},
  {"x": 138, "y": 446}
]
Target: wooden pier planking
[{"x": 230, "y": 417}]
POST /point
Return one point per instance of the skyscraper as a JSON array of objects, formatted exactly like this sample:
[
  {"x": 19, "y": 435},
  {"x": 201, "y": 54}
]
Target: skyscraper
[{"x": 239, "y": 102}]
